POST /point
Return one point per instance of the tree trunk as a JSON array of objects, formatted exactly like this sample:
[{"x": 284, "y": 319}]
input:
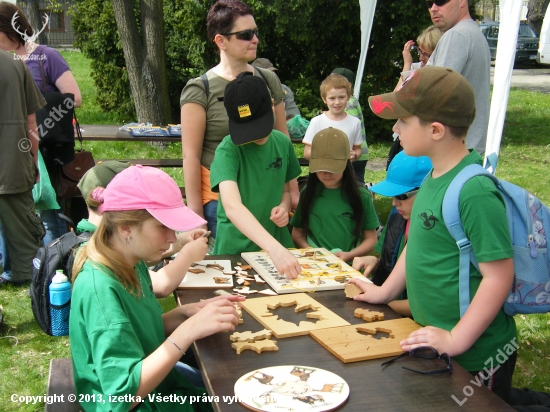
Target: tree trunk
[
  {"x": 145, "y": 58},
  {"x": 535, "y": 14},
  {"x": 31, "y": 9}
]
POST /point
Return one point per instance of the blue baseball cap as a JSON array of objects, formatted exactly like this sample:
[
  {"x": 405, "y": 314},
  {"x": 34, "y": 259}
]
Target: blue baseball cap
[{"x": 405, "y": 173}]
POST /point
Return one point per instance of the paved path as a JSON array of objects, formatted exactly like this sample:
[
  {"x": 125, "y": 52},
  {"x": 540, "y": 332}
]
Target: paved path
[{"x": 530, "y": 77}]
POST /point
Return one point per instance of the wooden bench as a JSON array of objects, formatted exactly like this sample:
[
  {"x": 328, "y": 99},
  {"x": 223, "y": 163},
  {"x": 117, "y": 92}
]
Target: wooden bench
[{"x": 61, "y": 385}]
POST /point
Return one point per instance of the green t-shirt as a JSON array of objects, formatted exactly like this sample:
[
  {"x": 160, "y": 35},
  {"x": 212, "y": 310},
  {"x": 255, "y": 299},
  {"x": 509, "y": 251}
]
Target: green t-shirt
[
  {"x": 261, "y": 172},
  {"x": 111, "y": 332},
  {"x": 433, "y": 258},
  {"x": 19, "y": 97},
  {"x": 353, "y": 108},
  {"x": 216, "y": 116},
  {"x": 332, "y": 220},
  {"x": 85, "y": 226}
]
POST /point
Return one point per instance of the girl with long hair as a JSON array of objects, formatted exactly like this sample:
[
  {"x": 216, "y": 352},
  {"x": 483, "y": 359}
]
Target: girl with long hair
[
  {"x": 333, "y": 211},
  {"x": 125, "y": 351}
]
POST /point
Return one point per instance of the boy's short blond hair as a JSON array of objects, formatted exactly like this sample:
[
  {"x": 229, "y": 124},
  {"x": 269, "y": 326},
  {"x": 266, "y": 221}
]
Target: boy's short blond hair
[
  {"x": 428, "y": 38},
  {"x": 335, "y": 81}
]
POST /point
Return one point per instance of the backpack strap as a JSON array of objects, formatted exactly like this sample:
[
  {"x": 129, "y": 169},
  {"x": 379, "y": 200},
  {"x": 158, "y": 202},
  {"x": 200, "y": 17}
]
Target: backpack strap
[
  {"x": 261, "y": 75},
  {"x": 206, "y": 85},
  {"x": 451, "y": 216}
]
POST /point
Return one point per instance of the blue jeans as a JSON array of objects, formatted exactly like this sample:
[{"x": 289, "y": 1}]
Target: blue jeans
[
  {"x": 210, "y": 211},
  {"x": 4, "y": 255},
  {"x": 193, "y": 375},
  {"x": 54, "y": 225}
]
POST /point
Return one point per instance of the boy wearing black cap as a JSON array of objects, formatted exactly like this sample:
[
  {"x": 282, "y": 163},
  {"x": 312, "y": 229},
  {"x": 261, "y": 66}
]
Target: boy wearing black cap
[
  {"x": 251, "y": 170},
  {"x": 434, "y": 109}
]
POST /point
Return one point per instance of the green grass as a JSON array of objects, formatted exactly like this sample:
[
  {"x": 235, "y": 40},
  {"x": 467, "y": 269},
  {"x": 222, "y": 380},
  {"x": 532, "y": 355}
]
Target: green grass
[{"x": 524, "y": 160}]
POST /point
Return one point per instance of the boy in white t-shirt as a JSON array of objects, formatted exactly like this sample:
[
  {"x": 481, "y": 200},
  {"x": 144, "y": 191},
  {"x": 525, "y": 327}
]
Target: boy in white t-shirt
[{"x": 335, "y": 92}]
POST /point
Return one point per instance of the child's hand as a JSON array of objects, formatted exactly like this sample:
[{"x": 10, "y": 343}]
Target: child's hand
[
  {"x": 279, "y": 216},
  {"x": 285, "y": 262},
  {"x": 216, "y": 316},
  {"x": 196, "y": 249},
  {"x": 191, "y": 235},
  {"x": 439, "y": 339},
  {"x": 368, "y": 263},
  {"x": 345, "y": 256},
  {"x": 191, "y": 309},
  {"x": 370, "y": 291}
]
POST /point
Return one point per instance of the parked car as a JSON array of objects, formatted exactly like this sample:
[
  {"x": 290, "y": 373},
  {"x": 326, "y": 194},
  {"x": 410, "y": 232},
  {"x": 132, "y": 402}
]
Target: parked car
[{"x": 526, "y": 48}]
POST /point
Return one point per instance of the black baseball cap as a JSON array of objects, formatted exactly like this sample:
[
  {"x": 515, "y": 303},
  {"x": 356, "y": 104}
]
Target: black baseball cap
[{"x": 248, "y": 104}]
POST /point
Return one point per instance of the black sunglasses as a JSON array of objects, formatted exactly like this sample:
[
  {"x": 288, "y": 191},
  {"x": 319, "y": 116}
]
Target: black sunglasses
[
  {"x": 407, "y": 195},
  {"x": 438, "y": 3},
  {"x": 244, "y": 35},
  {"x": 425, "y": 352}
]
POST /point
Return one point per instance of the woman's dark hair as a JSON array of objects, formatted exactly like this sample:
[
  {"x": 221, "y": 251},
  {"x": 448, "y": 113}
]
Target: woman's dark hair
[
  {"x": 350, "y": 194},
  {"x": 222, "y": 15},
  {"x": 7, "y": 10}
]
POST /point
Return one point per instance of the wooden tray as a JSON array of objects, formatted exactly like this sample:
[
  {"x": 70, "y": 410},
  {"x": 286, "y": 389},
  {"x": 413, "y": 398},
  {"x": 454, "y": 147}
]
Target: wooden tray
[
  {"x": 356, "y": 343},
  {"x": 211, "y": 278},
  {"x": 321, "y": 270},
  {"x": 321, "y": 317}
]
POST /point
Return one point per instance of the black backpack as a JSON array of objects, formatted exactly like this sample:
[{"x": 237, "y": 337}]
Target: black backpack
[{"x": 57, "y": 255}]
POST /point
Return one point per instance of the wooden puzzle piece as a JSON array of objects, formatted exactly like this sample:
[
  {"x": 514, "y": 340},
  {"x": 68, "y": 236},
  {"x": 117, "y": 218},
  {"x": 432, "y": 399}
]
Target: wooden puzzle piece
[
  {"x": 374, "y": 331},
  {"x": 196, "y": 270},
  {"x": 368, "y": 315},
  {"x": 239, "y": 312},
  {"x": 249, "y": 336},
  {"x": 221, "y": 281},
  {"x": 352, "y": 290},
  {"x": 265, "y": 345},
  {"x": 314, "y": 315}
]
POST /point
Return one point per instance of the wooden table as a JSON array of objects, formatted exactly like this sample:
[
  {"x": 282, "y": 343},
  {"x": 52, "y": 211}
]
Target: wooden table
[
  {"x": 109, "y": 133},
  {"x": 372, "y": 387}
]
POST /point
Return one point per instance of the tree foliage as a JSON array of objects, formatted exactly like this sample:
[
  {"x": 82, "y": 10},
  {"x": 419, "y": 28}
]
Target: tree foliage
[{"x": 304, "y": 39}]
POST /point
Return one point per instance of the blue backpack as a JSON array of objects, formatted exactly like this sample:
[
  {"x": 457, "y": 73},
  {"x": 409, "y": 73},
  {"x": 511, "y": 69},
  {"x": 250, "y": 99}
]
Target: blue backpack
[{"x": 528, "y": 221}]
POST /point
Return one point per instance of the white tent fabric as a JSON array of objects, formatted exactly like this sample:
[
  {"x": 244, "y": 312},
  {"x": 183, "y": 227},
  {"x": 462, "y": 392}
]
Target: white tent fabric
[
  {"x": 510, "y": 13},
  {"x": 367, "y": 16}
]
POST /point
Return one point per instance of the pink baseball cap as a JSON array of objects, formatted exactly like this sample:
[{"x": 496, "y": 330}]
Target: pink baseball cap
[{"x": 142, "y": 187}]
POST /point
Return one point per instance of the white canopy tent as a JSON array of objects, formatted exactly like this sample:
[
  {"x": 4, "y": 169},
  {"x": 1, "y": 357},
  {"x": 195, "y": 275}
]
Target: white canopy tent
[{"x": 510, "y": 12}]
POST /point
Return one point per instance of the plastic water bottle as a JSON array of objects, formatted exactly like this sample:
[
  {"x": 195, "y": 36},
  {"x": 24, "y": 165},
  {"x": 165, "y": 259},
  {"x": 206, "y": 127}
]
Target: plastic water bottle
[{"x": 60, "y": 304}]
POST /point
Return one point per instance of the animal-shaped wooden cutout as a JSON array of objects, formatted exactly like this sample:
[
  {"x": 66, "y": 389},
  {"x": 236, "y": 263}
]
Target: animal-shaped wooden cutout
[
  {"x": 352, "y": 290},
  {"x": 249, "y": 336},
  {"x": 368, "y": 315},
  {"x": 259, "y": 347}
]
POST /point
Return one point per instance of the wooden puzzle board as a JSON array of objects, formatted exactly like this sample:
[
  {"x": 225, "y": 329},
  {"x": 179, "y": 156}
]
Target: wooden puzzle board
[
  {"x": 321, "y": 317},
  {"x": 291, "y": 388},
  {"x": 211, "y": 278},
  {"x": 348, "y": 345},
  {"x": 321, "y": 270}
]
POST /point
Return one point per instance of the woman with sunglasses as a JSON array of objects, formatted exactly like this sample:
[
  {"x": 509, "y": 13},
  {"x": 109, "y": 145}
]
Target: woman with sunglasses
[
  {"x": 425, "y": 45},
  {"x": 404, "y": 177},
  {"x": 204, "y": 123}
]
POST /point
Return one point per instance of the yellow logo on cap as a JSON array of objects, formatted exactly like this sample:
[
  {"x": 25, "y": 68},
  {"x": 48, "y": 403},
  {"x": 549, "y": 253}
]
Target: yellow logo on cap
[{"x": 244, "y": 111}]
